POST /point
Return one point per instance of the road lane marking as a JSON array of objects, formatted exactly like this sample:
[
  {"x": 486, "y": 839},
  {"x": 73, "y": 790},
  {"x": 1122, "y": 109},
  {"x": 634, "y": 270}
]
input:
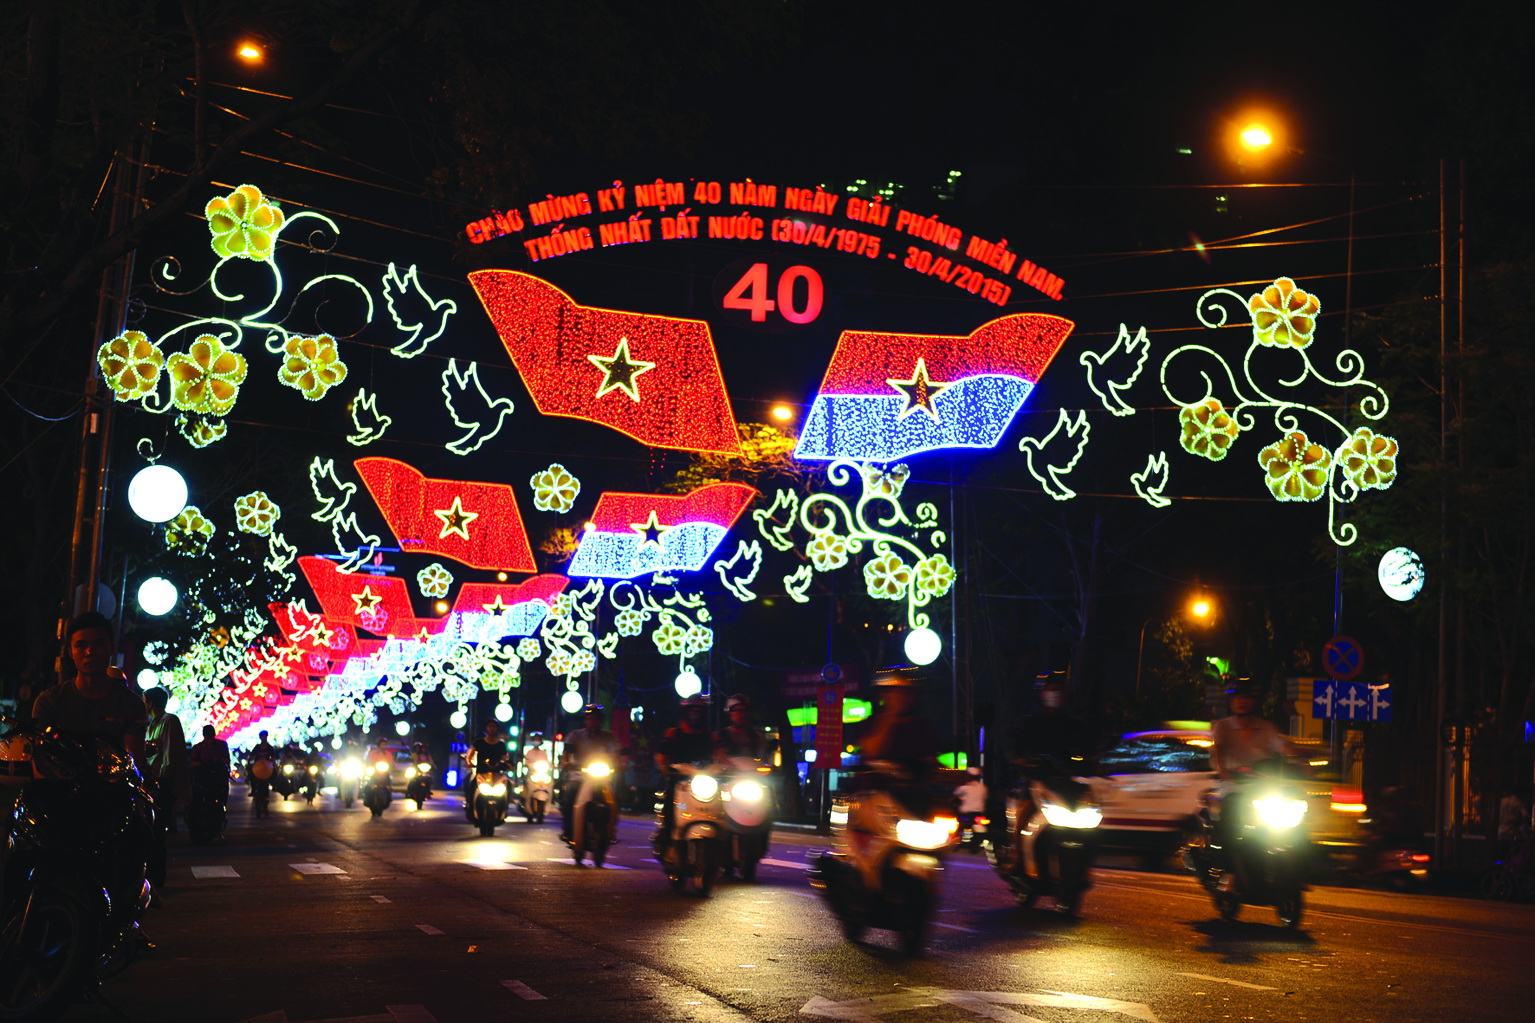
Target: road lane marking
[
  {"x": 379, "y": 899},
  {"x": 317, "y": 868},
  {"x": 214, "y": 872},
  {"x": 791, "y": 865},
  {"x": 521, "y": 990},
  {"x": 588, "y": 863},
  {"x": 428, "y": 929},
  {"x": 955, "y": 927},
  {"x": 493, "y": 865},
  {"x": 1223, "y": 980}
]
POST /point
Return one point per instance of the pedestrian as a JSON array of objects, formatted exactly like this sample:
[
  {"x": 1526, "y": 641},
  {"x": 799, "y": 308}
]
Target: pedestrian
[
  {"x": 165, "y": 750},
  {"x": 209, "y": 763}
]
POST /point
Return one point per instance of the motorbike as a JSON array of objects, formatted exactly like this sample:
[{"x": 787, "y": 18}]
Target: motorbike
[
  {"x": 1048, "y": 844},
  {"x": 972, "y": 831},
  {"x": 263, "y": 771},
  {"x": 418, "y": 785},
  {"x": 537, "y": 789},
  {"x": 1402, "y": 868},
  {"x": 377, "y": 793},
  {"x": 698, "y": 841},
  {"x": 591, "y": 827},
  {"x": 285, "y": 781},
  {"x": 309, "y": 787},
  {"x": 884, "y": 866},
  {"x": 207, "y": 813},
  {"x": 75, "y": 881},
  {"x": 1256, "y": 853},
  {"x": 748, "y": 804},
  {"x": 348, "y": 781},
  {"x": 488, "y": 809}
]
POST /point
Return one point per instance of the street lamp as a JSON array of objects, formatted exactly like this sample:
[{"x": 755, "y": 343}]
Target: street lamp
[{"x": 1200, "y": 609}]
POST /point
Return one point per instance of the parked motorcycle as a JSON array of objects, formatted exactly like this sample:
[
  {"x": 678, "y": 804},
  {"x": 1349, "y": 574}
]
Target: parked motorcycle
[
  {"x": 377, "y": 793},
  {"x": 488, "y": 810},
  {"x": 591, "y": 827},
  {"x": 1251, "y": 847},
  {"x": 537, "y": 790},
  {"x": 748, "y": 803},
  {"x": 1048, "y": 843},
  {"x": 74, "y": 880},
  {"x": 698, "y": 841},
  {"x": 884, "y": 866},
  {"x": 418, "y": 778},
  {"x": 348, "y": 781}
]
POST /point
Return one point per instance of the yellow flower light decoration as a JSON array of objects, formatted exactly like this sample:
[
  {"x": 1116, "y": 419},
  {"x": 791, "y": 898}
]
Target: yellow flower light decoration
[
  {"x": 255, "y": 513},
  {"x": 555, "y": 489},
  {"x": 189, "y": 531},
  {"x": 131, "y": 364},
  {"x": 887, "y": 577},
  {"x": 935, "y": 576},
  {"x": 200, "y": 431},
  {"x": 1284, "y": 316},
  {"x": 434, "y": 580},
  {"x": 1296, "y": 469},
  {"x": 828, "y": 551},
  {"x": 311, "y": 365},
  {"x": 1368, "y": 459},
  {"x": 207, "y": 377},
  {"x": 1208, "y": 429},
  {"x": 244, "y": 224},
  {"x": 669, "y": 638}
]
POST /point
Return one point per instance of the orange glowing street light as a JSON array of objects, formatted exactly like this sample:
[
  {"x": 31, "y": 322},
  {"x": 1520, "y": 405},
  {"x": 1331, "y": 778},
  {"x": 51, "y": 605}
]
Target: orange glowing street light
[
  {"x": 249, "y": 52},
  {"x": 782, "y": 413},
  {"x": 1200, "y": 609},
  {"x": 1256, "y": 137}
]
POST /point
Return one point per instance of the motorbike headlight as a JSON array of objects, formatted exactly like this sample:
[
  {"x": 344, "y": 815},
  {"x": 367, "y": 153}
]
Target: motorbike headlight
[
  {"x": 598, "y": 769},
  {"x": 314, "y": 770},
  {"x": 542, "y": 776},
  {"x": 1082, "y": 817},
  {"x": 1279, "y": 812},
  {"x": 704, "y": 787},
  {"x": 351, "y": 769},
  {"x": 381, "y": 767},
  {"x": 287, "y": 768},
  {"x": 410, "y": 772},
  {"x": 496, "y": 789},
  {"x": 749, "y": 791},
  {"x": 933, "y": 834},
  {"x": 423, "y": 768}
]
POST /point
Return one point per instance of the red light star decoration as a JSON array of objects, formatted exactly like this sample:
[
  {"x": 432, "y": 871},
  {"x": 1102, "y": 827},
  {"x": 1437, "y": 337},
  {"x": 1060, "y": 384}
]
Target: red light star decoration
[
  {"x": 920, "y": 391},
  {"x": 654, "y": 378},
  {"x": 366, "y": 602},
  {"x": 635, "y": 534},
  {"x": 477, "y": 524}
]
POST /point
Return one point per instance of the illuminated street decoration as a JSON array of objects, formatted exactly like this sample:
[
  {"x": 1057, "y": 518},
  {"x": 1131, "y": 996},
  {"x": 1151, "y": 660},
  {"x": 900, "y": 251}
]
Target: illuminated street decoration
[
  {"x": 1152, "y": 480},
  {"x": 477, "y": 524},
  {"x": 415, "y": 313},
  {"x": 244, "y": 224},
  {"x": 207, "y": 377},
  {"x": 131, "y": 365},
  {"x": 476, "y": 413},
  {"x": 1057, "y": 453},
  {"x": 335, "y": 497},
  {"x": 434, "y": 580},
  {"x": 586, "y": 362},
  {"x": 636, "y": 534},
  {"x": 1112, "y": 372},
  {"x": 797, "y": 584},
  {"x": 1298, "y": 464},
  {"x": 189, "y": 531},
  {"x": 1400, "y": 573},
  {"x": 201, "y": 431},
  {"x": 681, "y": 619},
  {"x": 311, "y": 365},
  {"x": 968, "y": 389},
  {"x": 748, "y": 556},
  {"x": 255, "y": 513},
  {"x": 555, "y": 489},
  {"x": 377, "y": 603},
  {"x": 773, "y": 531},
  {"x": 367, "y": 423}
]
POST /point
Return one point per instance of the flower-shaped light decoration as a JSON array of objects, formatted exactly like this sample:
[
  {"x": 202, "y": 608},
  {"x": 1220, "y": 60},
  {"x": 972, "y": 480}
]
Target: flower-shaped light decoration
[
  {"x": 887, "y": 482},
  {"x": 558, "y": 662},
  {"x": 828, "y": 551},
  {"x": 244, "y": 224},
  {"x": 887, "y": 576},
  {"x": 668, "y": 638},
  {"x": 698, "y": 639},
  {"x": 935, "y": 576},
  {"x": 255, "y": 513},
  {"x": 1208, "y": 429},
  {"x": 1368, "y": 459},
  {"x": 200, "y": 431},
  {"x": 1284, "y": 316},
  {"x": 582, "y": 660},
  {"x": 563, "y": 604},
  {"x": 207, "y": 377},
  {"x": 529, "y": 649},
  {"x": 555, "y": 489},
  {"x": 188, "y": 532},
  {"x": 629, "y": 622},
  {"x": 311, "y": 365},
  {"x": 434, "y": 580},
  {"x": 374, "y": 619},
  {"x": 1296, "y": 469},
  {"x": 131, "y": 364}
]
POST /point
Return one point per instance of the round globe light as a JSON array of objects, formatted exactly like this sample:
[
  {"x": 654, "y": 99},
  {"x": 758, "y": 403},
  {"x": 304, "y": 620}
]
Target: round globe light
[
  {"x": 458, "y": 719},
  {"x": 173, "y": 705},
  {"x": 570, "y": 701},
  {"x": 148, "y": 678},
  {"x": 923, "y": 646},
  {"x": 503, "y": 712},
  {"x": 157, "y": 493},
  {"x": 402, "y": 728},
  {"x": 688, "y": 683},
  {"x": 157, "y": 596},
  {"x": 335, "y": 743},
  {"x": 1400, "y": 573}
]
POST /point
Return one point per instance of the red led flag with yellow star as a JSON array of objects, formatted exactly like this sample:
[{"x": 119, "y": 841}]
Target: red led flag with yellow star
[
  {"x": 477, "y": 524},
  {"x": 378, "y": 603},
  {"x": 655, "y": 378}
]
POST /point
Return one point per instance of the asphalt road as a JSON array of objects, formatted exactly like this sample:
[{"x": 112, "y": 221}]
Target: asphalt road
[{"x": 320, "y": 913}]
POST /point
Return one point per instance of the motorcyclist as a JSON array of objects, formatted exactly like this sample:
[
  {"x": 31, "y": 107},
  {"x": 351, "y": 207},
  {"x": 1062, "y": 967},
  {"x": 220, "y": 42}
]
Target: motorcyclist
[
  {"x": 689, "y": 742},
  {"x": 318, "y": 759},
  {"x": 534, "y": 753},
  {"x": 1044, "y": 741},
  {"x": 486, "y": 752},
  {"x": 261, "y": 788},
  {"x": 1242, "y": 740},
  {"x": 740, "y": 738},
  {"x": 898, "y": 732},
  {"x": 592, "y": 742},
  {"x": 970, "y": 794}
]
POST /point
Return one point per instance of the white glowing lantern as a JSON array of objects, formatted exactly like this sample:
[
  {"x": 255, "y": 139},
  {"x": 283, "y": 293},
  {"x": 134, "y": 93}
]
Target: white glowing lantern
[
  {"x": 335, "y": 743},
  {"x": 503, "y": 712},
  {"x": 923, "y": 646},
  {"x": 402, "y": 728},
  {"x": 157, "y": 596},
  {"x": 1401, "y": 573},
  {"x": 571, "y": 701},
  {"x": 157, "y": 493},
  {"x": 688, "y": 683},
  {"x": 148, "y": 678},
  {"x": 458, "y": 719}
]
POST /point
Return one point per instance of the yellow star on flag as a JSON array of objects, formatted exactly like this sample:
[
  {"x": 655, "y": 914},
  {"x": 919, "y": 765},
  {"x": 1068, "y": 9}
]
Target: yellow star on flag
[
  {"x": 619, "y": 370},
  {"x": 650, "y": 531},
  {"x": 499, "y": 607},
  {"x": 455, "y": 521},
  {"x": 423, "y": 635},
  {"x": 366, "y": 600},
  {"x": 919, "y": 391}
]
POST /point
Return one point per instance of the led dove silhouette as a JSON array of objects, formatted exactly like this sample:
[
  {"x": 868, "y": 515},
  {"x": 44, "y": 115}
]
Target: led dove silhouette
[
  {"x": 1056, "y": 454},
  {"x": 476, "y": 413},
  {"x": 778, "y": 535},
  {"x": 737, "y": 584},
  {"x": 414, "y": 312},
  {"x": 1151, "y": 481},
  {"x": 1115, "y": 371},
  {"x": 797, "y": 584},
  {"x": 332, "y": 494},
  {"x": 366, "y": 420}
]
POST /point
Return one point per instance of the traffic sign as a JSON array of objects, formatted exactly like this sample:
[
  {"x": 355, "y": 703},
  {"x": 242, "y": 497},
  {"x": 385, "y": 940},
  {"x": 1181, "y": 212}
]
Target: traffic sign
[
  {"x": 1343, "y": 657},
  {"x": 1333, "y": 700}
]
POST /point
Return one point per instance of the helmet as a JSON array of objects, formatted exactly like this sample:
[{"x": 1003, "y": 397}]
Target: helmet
[
  {"x": 696, "y": 700},
  {"x": 740, "y": 701},
  {"x": 1051, "y": 681},
  {"x": 897, "y": 675},
  {"x": 535, "y": 736}
]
